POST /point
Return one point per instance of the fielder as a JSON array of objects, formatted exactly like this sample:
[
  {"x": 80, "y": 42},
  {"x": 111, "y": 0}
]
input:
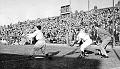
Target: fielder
[
  {"x": 40, "y": 44},
  {"x": 84, "y": 38}
]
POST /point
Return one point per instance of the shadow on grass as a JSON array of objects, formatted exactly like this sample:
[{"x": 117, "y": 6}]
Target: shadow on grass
[
  {"x": 75, "y": 51},
  {"x": 27, "y": 62}
]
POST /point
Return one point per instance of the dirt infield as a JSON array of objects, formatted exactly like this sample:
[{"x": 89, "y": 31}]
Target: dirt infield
[{"x": 69, "y": 61}]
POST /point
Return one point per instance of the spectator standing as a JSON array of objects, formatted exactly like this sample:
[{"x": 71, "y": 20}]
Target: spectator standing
[{"x": 3, "y": 41}]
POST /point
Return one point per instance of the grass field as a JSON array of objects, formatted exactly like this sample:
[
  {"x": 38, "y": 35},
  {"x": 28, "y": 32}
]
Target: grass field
[{"x": 69, "y": 61}]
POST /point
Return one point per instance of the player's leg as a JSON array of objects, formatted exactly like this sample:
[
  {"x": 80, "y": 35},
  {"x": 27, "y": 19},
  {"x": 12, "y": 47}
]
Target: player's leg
[
  {"x": 84, "y": 45},
  {"x": 102, "y": 46},
  {"x": 74, "y": 42},
  {"x": 43, "y": 48},
  {"x": 38, "y": 46}
]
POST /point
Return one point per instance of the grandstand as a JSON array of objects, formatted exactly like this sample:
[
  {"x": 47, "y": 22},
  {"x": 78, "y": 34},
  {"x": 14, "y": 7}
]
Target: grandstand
[
  {"x": 61, "y": 25},
  {"x": 59, "y": 32}
]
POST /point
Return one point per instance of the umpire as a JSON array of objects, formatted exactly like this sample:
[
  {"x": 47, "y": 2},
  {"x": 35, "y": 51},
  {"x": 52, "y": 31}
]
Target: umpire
[{"x": 105, "y": 37}]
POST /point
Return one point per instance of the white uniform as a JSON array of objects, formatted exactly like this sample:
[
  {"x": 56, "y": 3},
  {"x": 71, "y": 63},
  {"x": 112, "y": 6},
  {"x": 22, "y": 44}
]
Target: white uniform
[
  {"x": 86, "y": 38},
  {"x": 39, "y": 37},
  {"x": 40, "y": 44}
]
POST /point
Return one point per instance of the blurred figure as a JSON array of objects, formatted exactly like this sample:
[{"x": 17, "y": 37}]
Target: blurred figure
[
  {"x": 40, "y": 40},
  {"x": 16, "y": 43},
  {"x": 3, "y": 41},
  {"x": 105, "y": 36},
  {"x": 24, "y": 40}
]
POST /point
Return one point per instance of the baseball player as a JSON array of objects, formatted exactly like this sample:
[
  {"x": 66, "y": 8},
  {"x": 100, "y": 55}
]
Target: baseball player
[
  {"x": 105, "y": 36},
  {"x": 40, "y": 40},
  {"x": 85, "y": 38}
]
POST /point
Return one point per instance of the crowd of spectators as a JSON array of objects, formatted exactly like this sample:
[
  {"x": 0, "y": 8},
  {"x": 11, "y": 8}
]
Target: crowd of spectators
[{"x": 59, "y": 30}]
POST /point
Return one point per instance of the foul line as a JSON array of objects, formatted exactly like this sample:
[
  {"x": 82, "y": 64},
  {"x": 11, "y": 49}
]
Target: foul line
[{"x": 116, "y": 54}]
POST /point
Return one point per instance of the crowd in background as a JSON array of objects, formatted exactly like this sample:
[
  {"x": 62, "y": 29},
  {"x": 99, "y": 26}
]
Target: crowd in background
[{"x": 57, "y": 29}]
